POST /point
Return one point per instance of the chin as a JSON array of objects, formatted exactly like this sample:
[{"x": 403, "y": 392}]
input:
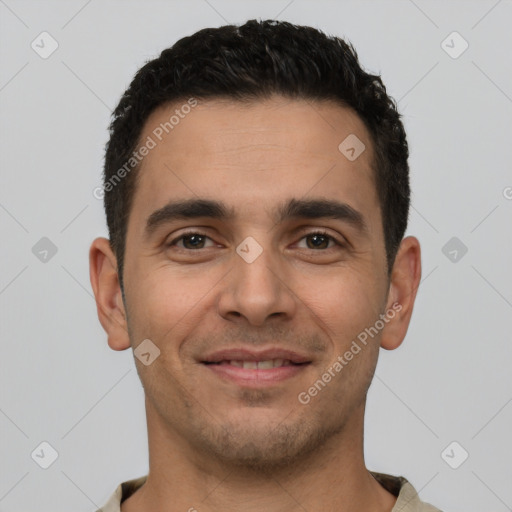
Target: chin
[{"x": 263, "y": 446}]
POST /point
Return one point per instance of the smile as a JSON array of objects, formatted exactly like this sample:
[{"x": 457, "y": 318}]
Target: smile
[
  {"x": 262, "y": 373},
  {"x": 258, "y": 365}
]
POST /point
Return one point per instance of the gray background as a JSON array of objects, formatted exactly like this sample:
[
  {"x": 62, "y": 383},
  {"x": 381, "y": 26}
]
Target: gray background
[{"x": 450, "y": 380}]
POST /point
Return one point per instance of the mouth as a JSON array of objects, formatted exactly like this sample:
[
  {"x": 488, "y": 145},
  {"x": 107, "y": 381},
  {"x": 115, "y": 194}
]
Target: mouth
[
  {"x": 257, "y": 365},
  {"x": 255, "y": 370}
]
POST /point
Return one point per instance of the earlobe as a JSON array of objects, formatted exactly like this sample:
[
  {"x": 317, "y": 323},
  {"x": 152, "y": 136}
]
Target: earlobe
[
  {"x": 107, "y": 292},
  {"x": 405, "y": 279}
]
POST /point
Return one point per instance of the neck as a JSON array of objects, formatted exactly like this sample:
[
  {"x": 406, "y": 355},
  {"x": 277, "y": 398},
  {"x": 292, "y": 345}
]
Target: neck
[{"x": 333, "y": 478}]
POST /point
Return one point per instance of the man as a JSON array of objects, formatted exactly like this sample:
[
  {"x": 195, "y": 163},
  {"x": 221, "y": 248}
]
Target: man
[{"x": 257, "y": 194}]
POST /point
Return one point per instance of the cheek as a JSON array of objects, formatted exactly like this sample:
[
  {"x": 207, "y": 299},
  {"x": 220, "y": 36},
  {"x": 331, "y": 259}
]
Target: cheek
[
  {"x": 346, "y": 303},
  {"x": 167, "y": 304}
]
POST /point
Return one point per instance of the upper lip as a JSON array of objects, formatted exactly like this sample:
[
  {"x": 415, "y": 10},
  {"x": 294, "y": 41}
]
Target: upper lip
[{"x": 242, "y": 354}]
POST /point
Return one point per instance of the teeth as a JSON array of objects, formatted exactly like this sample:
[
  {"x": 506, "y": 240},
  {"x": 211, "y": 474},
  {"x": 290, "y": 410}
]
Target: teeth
[
  {"x": 265, "y": 365},
  {"x": 261, "y": 365}
]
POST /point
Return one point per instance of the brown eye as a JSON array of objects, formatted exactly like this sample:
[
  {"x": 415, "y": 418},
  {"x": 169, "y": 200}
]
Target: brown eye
[
  {"x": 318, "y": 241},
  {"x": 192, "y": 241}
]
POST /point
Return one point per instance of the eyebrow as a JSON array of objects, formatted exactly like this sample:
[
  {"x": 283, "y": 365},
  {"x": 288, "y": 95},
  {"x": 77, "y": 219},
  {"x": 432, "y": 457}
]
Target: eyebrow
[
  {"x": 323, "y": 208},
  {"x": 188, "y": 209},
  {"x": 292, "y": 209}
]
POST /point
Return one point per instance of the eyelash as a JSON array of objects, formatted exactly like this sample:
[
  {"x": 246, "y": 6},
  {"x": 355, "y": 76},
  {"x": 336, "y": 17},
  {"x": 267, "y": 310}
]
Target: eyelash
[{"x": 312, "y": 233}]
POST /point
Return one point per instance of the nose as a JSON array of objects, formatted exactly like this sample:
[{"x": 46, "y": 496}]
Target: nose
[{"x": 257, "y": 291}]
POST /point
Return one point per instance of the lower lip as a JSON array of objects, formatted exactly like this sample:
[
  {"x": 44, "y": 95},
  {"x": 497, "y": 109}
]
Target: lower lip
[{"x": 255, "y": 377}]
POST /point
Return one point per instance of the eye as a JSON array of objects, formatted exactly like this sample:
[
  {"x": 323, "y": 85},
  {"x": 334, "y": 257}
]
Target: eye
[
  {"x": 192, "y": 241},
  {"x": 318, "y": 240}
]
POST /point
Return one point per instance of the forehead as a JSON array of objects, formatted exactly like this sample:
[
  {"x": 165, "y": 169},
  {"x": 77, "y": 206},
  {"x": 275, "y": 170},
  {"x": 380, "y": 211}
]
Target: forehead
[{"x": 255, "y": 153}]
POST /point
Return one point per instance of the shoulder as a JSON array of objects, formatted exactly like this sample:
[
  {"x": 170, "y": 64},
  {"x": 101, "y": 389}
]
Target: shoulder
[
  {"x": 408, "y": 499},
  {"x": 122, "y": 493}
]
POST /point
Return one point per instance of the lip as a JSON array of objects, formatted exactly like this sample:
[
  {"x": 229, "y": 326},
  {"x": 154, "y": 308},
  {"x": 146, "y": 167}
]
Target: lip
[
  {"x": 248, "y": 377},
  {"x": 241, "y": 354},
  {"x": 255, "y": 378}
]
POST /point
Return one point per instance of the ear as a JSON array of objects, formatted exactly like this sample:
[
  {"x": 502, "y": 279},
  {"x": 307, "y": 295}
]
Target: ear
[
  {"x": 107, "y": 292},
  {"x": 405, "y": 279}
]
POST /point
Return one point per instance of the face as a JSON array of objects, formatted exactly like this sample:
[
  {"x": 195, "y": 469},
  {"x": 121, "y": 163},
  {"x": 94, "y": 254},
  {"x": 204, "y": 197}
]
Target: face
[{"x": 254, "y": 259}]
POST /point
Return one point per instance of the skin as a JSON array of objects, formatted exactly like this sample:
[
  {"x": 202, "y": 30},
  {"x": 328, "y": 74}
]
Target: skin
[{"x": 214, "y": 444}]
